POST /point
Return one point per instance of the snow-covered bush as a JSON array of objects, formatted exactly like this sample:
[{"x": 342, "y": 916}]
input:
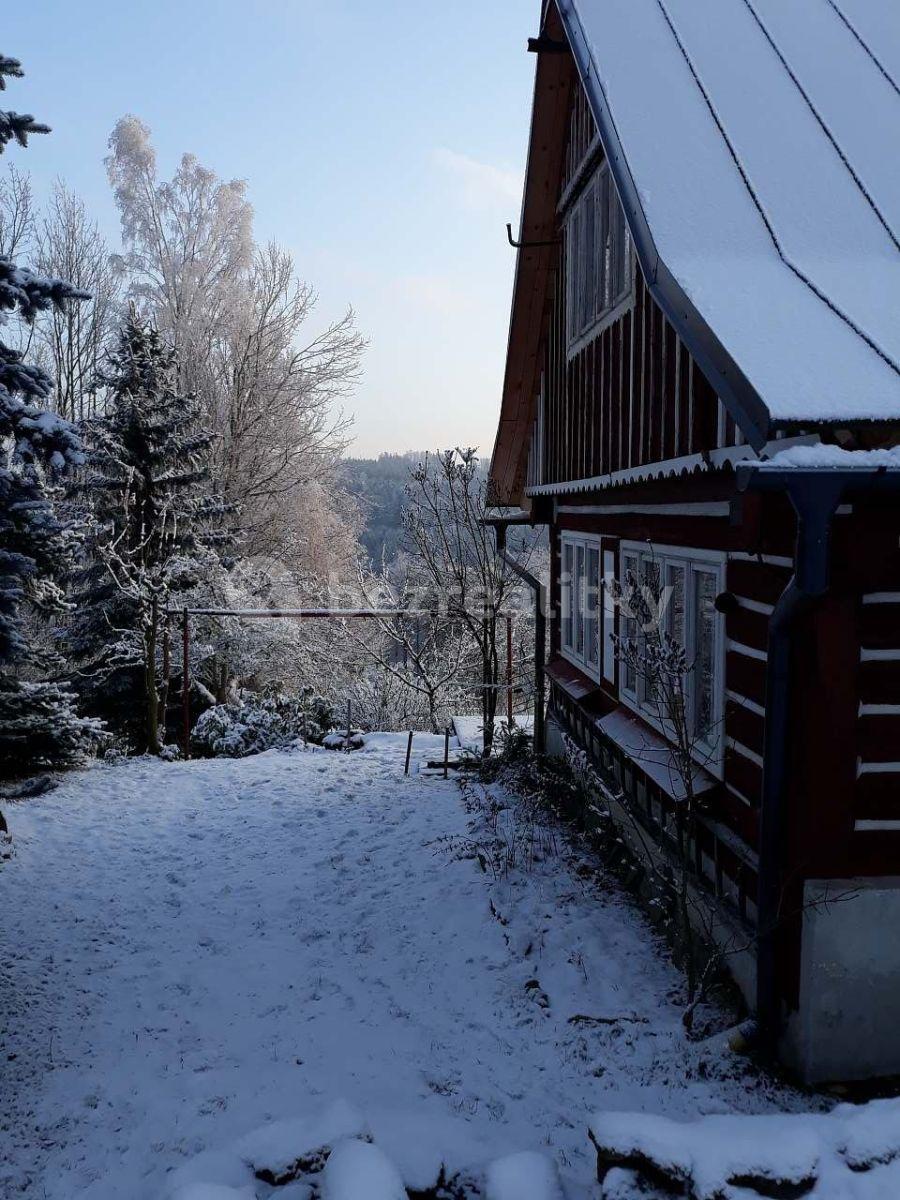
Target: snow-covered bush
[
  {"x": 253, "y": 723},
  {"x": 851, "y": 1152}
]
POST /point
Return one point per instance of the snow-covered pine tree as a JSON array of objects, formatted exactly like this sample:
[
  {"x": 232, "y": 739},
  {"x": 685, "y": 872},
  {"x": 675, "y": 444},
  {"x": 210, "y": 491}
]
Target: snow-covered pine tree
[
  {"x": 15, "y": 125},
  {"x": 38, "y": 723},
  {"x": 158, "y": 527}
]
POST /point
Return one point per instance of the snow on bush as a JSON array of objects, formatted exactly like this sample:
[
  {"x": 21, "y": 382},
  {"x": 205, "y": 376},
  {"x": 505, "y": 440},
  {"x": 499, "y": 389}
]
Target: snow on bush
[
  {"x": 358, "y": 1169},
  {"x": 851, "y": 1153},
  {"x": 337, "y": 1154},
  {"x": 526, "y": 1176},
  {"x": 256, "y": 723},
  {"x": 213, "y": 1191},
  {"x": 280, "y": 1152}
]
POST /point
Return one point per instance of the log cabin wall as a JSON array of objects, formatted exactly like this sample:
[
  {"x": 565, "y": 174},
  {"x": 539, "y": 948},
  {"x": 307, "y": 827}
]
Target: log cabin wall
[{"x": 845, "y": 776}]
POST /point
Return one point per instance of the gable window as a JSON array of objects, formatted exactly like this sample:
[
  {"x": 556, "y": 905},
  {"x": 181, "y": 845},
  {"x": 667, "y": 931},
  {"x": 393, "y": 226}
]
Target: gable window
[
  {"x": 689, "y": 581},
  {"x": 598, "y": 258}
]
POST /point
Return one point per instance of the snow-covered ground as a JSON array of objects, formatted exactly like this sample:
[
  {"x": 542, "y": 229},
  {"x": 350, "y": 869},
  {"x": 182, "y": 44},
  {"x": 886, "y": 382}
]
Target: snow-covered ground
[{"x": 189, "y": 951}]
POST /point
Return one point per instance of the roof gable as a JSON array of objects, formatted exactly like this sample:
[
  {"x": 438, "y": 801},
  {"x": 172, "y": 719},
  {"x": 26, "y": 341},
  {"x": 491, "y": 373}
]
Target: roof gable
[
  {"x": 751, "y": 142},
  {"x": 756, "y": 167}
]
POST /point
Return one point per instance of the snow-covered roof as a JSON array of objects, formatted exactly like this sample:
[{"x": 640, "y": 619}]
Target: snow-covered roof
[
  {"x": 831, "y": 458},
  {"x": 760, "y": 137}
]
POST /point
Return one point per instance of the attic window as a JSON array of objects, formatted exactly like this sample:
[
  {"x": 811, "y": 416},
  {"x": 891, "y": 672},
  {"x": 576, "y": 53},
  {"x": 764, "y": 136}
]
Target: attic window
[{"x": 598, "y": 260}]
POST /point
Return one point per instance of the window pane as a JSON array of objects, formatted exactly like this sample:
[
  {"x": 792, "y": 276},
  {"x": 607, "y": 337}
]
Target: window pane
[
  {"x": 674, "y": 620},
  {"x": 705, "y": 619},
  {"x": 629, "y": 626},
  {"x": 651, "y": 577},
  {"x": 591, "y": 607},
  {"x": 578, "y": 589},
  {"x": 589, "y": 256},
  {"x": 609, "y": 617},
  {"x": 603, "y": 258},
  {"x": 574, "y": 264},
  {"x": 566, "y": 594},
  {"x": 619, "y": 247}
]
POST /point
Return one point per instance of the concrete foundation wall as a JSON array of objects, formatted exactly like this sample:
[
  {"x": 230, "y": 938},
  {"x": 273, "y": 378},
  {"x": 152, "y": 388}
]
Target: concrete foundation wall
[{"x": 848, "y": 1026}]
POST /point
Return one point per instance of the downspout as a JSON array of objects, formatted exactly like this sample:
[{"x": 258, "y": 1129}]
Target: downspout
[
  {"x": 540, "y": 632},
  {"x": 815, "y": 496}
]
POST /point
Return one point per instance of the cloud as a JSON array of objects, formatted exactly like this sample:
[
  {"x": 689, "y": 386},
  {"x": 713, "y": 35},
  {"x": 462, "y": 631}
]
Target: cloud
[{"x": 481, "y": 185}]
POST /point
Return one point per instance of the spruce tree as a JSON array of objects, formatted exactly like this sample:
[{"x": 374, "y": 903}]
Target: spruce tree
[
  {"x": 158, "y": 526},
  {"x": 38, "y": 723}
]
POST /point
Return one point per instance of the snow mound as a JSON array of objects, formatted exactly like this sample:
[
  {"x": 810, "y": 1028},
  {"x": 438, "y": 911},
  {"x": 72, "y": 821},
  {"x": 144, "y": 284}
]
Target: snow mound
[
  {"x": 851, "y": 1152},
  {"x": 279, "y": 1152},
  {"x": 213, "y": 1191},
  {"x": 360, "y": 1171},
  {"x": 526, "y": 1176}
]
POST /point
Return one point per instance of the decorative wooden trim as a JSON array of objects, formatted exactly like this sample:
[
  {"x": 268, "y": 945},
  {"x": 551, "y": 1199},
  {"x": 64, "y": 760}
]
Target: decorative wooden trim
[
  {"x": 756, "y": 606},
  {"x": 877, "y": 768},
  {"x": 746, "y": 752},
  {"x": 878, "y": 655},
  {"x": 713, "y": 508},
  {"x": 745, "y": 702},
  {"x": 747, "y": 651},
  {"x": 687, "y": 464}
]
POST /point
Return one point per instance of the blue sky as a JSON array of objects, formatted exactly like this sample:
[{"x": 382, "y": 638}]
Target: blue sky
[{"x": 383, "y": 143}]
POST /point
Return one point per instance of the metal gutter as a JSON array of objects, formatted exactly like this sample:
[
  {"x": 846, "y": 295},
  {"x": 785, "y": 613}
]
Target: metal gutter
[
  {"x": 734, "y": 389},
  {"x": 540, "y": 630},
  {"x": 816, "y": 494}
]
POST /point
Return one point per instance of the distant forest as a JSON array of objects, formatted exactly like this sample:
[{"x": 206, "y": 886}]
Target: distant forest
[{"x": 379, "y": 487}]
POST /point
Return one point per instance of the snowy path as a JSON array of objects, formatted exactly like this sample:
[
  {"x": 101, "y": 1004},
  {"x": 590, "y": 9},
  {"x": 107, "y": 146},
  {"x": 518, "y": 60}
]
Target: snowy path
[{"x": 190, "y": 950}]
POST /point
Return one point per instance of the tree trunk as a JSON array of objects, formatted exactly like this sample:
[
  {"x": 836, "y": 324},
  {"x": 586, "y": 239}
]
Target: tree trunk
[{"x": 221, "y": 677}]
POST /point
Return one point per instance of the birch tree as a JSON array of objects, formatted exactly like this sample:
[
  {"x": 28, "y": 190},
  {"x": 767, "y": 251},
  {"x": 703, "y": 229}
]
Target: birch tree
[
  {"x": 71, "y": 341},
  {"x": 239, "y": 320}
]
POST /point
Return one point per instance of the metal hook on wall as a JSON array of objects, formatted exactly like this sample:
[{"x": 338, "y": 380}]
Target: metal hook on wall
[{"x": 528, "y": 245}]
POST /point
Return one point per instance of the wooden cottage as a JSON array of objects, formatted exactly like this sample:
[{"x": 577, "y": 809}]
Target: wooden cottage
[{"x": 703, "y": 385}]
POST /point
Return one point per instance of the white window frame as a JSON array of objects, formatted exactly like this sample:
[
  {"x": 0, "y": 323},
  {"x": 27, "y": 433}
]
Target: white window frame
[
  {"x": 590, "y": 304},
  {"x": 574, "y": 612},
  {"x": 694, "y": 563}
]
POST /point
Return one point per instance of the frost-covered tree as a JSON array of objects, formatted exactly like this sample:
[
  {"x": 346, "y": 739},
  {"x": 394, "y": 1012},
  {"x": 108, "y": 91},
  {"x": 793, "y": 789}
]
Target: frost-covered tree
[
  {"x": 17, "y": 215},
  {"x": 240, "y": 321},
  {"x": 456, "y": 557},
  {"x": 71, "y": 343},
  {"x": 158, "y": 523},
  {"x": 38, "y": 723}
]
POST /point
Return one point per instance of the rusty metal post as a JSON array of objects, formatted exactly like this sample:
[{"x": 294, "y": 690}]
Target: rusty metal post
[
  {"x": 408, "y": 753},
  {"x": 349, "y": 727},
  {"x": 509, "y": 672},
  {"x": 446, "y": 751},
  {"x": 186, "y": 682}
]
